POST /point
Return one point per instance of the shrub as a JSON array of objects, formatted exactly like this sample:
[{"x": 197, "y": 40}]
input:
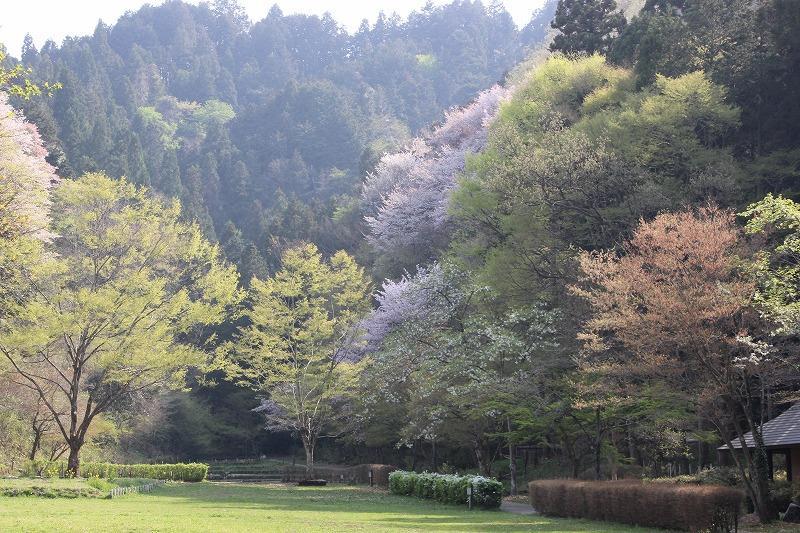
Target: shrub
[
  {"x": 402, "y": 483},
  {"x": 717, "y": 475},
  {"x": 168, "y": 472},
  {"x": 780, "y": 494},
  {"x": 447, "y": 488},
  {"x": 664, "y": 505},
  {"x": 42, "y": 468},
  {"x": 52, "y": 492},
  {"x": 103, "y": 485}
]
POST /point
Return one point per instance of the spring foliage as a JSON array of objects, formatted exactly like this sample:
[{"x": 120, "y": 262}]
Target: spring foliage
[
  {"x": 298, "y": 348},
  {"x": 122, "y": 300}
]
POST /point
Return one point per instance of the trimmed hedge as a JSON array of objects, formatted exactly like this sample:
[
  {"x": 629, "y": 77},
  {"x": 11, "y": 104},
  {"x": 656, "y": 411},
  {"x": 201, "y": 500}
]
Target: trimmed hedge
[
  {"x": 53, "y": 492},
  {"x": 167, "y": 472},
  {"x": 663, "y": 505},
  {"x": 447, "y": 488}
]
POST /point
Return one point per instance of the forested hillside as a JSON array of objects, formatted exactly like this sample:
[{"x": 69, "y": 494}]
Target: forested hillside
[{"x": 263, "y": 130}]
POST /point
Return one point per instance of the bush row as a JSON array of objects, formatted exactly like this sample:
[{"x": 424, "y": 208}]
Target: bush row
[
  {"x": 716, "y": 475},
  {"x": 663, "y": 505},
  {"x": 169, "y": 472},
  {"x": 447, "y": 488},
  {"x": 53, "y": 492}
]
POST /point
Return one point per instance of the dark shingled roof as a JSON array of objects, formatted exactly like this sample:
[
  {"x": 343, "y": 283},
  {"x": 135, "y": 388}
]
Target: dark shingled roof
[{"x": 783, "y": 430}]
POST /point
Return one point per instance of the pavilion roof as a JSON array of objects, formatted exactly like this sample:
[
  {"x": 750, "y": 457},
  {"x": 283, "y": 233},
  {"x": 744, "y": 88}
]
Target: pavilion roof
[{"x": 783, "y": 430}]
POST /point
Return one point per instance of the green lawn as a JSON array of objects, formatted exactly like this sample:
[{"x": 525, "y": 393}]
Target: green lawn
[{"x": 234, "y": 507}]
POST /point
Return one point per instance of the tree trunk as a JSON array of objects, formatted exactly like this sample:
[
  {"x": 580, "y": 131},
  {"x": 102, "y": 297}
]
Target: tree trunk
[
  {"x": 484, "y": 465},
  {"x": 759, "y": 473},
  {"x": 752, "y": 465},
  {"x": 37, "y": 441},
  {"x": 512, "y": 468},
  {"x": 700, "y": 446},
  {"x": 308, "y": 444},
  {"x": 512, "y": 461},
  {"x": 631, "y": 446},
  {"x": 598, "y": 445},
  {"x": 74, "y": 461},
  {"x": 434, "y": 458}
]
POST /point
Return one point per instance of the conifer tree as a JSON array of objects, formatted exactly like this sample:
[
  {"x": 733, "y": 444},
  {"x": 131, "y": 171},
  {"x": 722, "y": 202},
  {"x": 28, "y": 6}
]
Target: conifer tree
[{"x": 587, "y": 26}]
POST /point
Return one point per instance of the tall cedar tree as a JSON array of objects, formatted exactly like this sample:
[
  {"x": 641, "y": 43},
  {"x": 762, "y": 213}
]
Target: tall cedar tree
[{"x": 587, "y": 26}]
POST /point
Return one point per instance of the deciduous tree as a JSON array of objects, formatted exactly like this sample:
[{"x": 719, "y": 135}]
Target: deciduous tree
[
  {"x": 676, "y": 309},
  {"x": 298, "y": 348},
  {"x": 120, "y": 303}
]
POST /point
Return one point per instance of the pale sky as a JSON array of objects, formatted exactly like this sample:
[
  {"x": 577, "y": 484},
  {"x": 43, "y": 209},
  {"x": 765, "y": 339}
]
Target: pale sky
[{"x": 56, "y": 19}]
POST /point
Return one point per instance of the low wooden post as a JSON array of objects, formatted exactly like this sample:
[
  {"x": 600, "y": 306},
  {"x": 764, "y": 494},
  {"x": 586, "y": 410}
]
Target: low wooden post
[
  {"x": 370, "y": 477},
  {"x": 469, "y": 497}
]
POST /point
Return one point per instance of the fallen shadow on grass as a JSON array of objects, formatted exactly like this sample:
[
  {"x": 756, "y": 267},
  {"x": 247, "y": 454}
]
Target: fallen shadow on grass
[{"x": 415, "y": 513}]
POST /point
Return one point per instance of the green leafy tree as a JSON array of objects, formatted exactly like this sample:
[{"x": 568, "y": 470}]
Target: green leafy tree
[
  {"x": 121, "y": 304},
  {"x": 15, "y": 80},
  {"x": 586, "y": 26},
  {"x": 299, "y": 346},
  {"x": 776, "y": 267}
]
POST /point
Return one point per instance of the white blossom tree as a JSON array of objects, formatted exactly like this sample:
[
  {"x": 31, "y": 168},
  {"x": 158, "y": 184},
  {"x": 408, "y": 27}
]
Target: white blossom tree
[
  {"x": 459, "y": 363},
  {"x": 406, "y": 199}
]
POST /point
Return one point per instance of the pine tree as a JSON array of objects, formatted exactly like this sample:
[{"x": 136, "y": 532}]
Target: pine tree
[
  {"x": 587, "y": 26},
  {"x": 170, "y": 179}
]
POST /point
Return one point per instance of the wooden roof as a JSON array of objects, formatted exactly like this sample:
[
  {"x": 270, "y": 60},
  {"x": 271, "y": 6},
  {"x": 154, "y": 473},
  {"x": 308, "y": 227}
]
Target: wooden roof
[{"x": 781, "y": 431}]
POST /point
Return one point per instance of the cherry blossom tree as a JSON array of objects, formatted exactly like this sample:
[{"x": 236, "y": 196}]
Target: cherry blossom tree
[
  {"x": 406, "y": 199},
  {"x": 25, "y": 175},
  {"x": 677, "y": 309},
  {"x": 460, "y": 364},
  {"x": 25, "y": 182}
]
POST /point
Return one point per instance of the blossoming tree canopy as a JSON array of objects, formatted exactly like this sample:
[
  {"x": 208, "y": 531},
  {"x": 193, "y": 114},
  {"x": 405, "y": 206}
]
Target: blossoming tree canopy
[{"x": 25, "y": 175}]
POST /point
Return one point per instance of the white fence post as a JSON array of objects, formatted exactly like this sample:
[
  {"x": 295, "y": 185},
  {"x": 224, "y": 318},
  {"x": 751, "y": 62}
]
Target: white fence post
[{"x": 120, "y": 491}]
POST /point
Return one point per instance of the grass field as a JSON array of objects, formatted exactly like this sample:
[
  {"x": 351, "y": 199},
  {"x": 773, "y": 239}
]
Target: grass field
[{"x": 234, "y": 507}]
